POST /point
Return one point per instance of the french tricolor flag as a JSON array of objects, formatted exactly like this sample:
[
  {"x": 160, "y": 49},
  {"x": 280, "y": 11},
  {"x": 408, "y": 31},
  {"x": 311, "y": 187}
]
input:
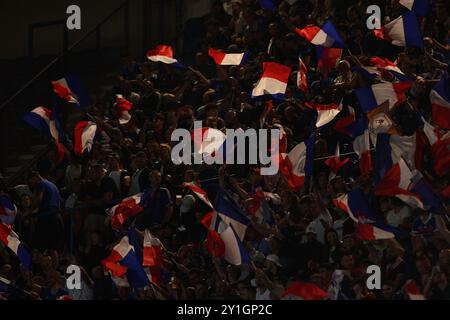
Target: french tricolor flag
[
  {"x": 327, "y": 36},
  {"x": 325, "y": 112},
  {"x": 397, "y": 182},
  {"x": 380, "y": 121},
  {"x": 8, "y": 210},
  {"x": 335, "y": 163},
  {"x": 371, "y": 97},
  {"x": 71, "y": 90},
  {"x": 273, "y": 81},
  {"x": 390, "y": 149},
  {"x": 420, "y": 7},
  {"x": 385, "y": 65},
  {"x": 361, "y": 146},
  {"x": 207, "y": 141},
  {"x": 428, "y": 197},
  {"x": 43, "y": 120},
  {"x": 199, "y": 192},
  {"x": 260, "y": 208},
  {"x": 355, "y": 205},
  {"x": 164, "y": 54},
  {"x": 297, "y": 166},
  {"x": 304, "y": 291},
  {"x": 153, "y": 251},
  {"x": 227, "y": 59},
  {"x": 124, "y": 266},
  {"x": 85, "y": 134},
  {"x": 403, "y": 31},
  {"x": 123, "y": 108},
  {"x": 413, "y": 291},
  {"x": 128, "y": 208},
  {"x": 440, "y": 148},
  {"x": 348, "y": 117},
  {"x": 369, "y": 232},
  {"x": 440, "y": 101},
  {"x": 231, "y": 214},
  {"x": 223, "y": 241},
  {"x": 11, "y": 240}
]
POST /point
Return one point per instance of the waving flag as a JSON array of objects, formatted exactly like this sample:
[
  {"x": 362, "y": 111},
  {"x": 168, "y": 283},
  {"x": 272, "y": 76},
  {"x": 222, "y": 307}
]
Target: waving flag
[
  {"x": 355, "y": 205},
  {"x": 440, "y": 101},
  {"x": 129, "y": 207},
  {"x": 304, "y": 291},
  {"x": 397, "y": 182},
  {"x": 227, "y": 59},
  {"x": 153, "y": 251},
  {"x": 391, "y": 148},
  {"x": 208, "y": 141},
  {"x": 297, "y": 166},
  {"x": 8, "y": 210},
  {"x": 11, "y": 240},
  {"x": 343, "y": 124},
  {"x": 224, "y": 242},
  {"x": 371, "y": 97},
  {"x": 231, "y": 214},
  {"x": 369, "y": 72},
  {"x": 260, "y": 208},
  {"x": 440, "y": 149},
  {"x": 361, "y": 146},
  {"x": 124, "y": 266},
  {"x": 385, "y": 65},
  {"x": 164, "y": 54},
  {"x": 327, "y": 36},
  {"x": 71, "y": 90},
  {"x": 302, "y": 77},
  {"x": 420, "y": 7},
  {"x": 380, "y": 120},
  {"x": 335, "y": 163},
  {"x": 199, "y": 192},
  {"x": 153, "y": 256},
  {"x": 325, "y": 113},
  {"x": 123, "y": 107},
  {"x": 413, "y": 291},
  {"x": 369, "y": 232},
  {"x": 273, "y": 81},
  {"x": 85, "y": 134},
  {"x": 44, "y": 120},
  {"x": 403, "y": 31},
  {"x": 430, "y": 200}
]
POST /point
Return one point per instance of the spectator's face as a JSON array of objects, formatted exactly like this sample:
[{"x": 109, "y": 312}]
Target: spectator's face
[
  {"x": 141, "y": 161},
  {"x": 423, "y": 266},
  {"x": 26, "y": 201},
  {"x": 388, "y": 291},
  {"x": 332, "y": 238},
  {"x": 155, "y": 178}
]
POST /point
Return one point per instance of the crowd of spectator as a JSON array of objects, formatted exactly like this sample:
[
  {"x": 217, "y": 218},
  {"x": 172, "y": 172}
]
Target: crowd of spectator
[{"x": 63, "y": 206}]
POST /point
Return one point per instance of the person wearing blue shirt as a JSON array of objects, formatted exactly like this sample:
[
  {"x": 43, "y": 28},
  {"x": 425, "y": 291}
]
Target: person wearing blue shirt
[{"x": 48, "y": 234}]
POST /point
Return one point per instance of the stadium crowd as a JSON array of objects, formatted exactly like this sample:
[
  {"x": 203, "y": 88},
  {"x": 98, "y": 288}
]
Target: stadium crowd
[{"x": 63, "y": 212}]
